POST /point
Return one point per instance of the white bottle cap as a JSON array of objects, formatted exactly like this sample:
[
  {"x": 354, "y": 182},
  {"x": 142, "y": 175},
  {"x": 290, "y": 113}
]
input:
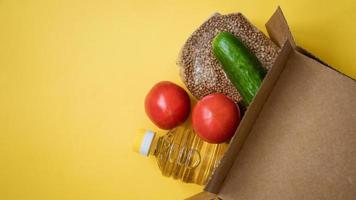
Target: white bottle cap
[{"x": 143, "y": 142}]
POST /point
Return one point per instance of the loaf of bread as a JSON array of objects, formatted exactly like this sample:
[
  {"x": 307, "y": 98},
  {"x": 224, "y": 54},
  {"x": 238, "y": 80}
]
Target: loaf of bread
[{"x": 200, "y": 70}]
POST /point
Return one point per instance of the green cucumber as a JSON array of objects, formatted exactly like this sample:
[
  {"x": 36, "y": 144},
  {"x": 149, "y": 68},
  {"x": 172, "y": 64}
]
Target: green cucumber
[{"x": 240, "y": 65}]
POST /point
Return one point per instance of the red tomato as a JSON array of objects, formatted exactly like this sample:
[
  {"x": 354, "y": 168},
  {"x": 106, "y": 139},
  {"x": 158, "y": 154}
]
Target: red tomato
[
  {"x": 167, "y": 105},
  {"x": 215, "y": 118}
]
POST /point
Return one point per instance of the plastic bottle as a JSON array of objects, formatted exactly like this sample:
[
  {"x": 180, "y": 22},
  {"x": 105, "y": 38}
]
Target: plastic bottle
[{"x": 181, "y": 154}]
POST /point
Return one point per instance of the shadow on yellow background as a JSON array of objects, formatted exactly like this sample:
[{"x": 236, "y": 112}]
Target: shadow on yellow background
[{"x": 73, "y": 76}]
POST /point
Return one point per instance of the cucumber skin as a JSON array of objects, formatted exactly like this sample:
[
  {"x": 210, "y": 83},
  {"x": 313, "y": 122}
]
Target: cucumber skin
[{"x": 240, "y": 65}]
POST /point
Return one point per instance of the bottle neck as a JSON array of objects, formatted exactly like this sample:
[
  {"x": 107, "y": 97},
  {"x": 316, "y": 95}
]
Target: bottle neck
[{"x": 155, "y": 145}]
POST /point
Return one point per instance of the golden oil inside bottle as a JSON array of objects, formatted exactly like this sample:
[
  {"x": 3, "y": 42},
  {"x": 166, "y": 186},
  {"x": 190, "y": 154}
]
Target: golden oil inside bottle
[{"x": 181, "y": 154}]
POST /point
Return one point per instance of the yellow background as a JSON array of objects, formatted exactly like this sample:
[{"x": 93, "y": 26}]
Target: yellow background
[{"x": 73, "y": 76}]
